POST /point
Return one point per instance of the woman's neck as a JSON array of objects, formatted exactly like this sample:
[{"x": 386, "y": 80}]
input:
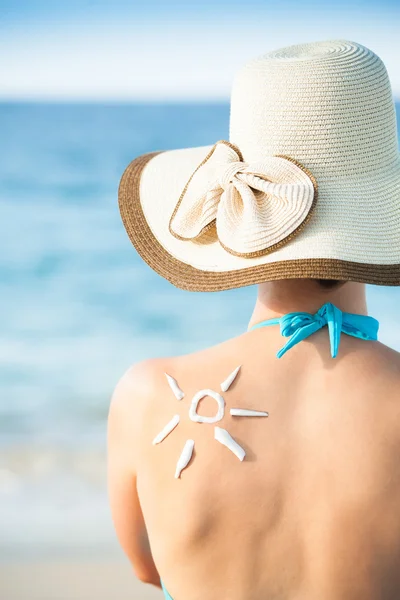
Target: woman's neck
[{"x": 276, "y": 298}]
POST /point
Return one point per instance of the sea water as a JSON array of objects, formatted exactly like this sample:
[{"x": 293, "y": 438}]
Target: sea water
[{"x": 78, "y": 306}]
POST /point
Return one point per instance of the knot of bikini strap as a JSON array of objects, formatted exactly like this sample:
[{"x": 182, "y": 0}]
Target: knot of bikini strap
[{"x": 299, "y": 325}]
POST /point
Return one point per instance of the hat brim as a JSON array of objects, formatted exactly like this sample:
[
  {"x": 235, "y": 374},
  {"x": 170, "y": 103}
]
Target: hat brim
[{"x": 355, "y": 238}]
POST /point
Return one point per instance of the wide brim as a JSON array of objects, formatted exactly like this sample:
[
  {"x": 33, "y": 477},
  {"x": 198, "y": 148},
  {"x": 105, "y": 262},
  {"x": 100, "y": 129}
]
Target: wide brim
[{"x": 353, "y": 235}]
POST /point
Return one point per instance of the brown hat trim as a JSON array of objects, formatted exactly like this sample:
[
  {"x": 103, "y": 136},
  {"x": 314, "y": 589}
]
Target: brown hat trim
[{"x": 190, "y": 278}]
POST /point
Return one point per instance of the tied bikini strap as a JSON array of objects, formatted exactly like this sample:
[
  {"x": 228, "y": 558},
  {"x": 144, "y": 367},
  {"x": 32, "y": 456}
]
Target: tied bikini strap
[{"x": 299, "y": 325}]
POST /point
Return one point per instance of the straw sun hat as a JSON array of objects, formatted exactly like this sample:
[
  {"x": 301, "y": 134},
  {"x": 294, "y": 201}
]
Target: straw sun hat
[{"x": 308, "y": 184}]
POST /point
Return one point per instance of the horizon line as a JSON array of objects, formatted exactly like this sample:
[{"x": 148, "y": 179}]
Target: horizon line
[{"x": 122, "y": 101}]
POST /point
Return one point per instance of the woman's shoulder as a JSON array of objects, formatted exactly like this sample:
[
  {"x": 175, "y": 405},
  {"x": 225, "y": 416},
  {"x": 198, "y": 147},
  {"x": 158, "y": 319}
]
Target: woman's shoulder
[{"x": 145, "y": 379}]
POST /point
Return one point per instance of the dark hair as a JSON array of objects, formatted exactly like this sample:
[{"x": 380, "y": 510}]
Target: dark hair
[{"x": 329, "y": 284}]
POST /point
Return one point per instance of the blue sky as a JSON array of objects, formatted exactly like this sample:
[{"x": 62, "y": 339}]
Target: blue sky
[{"x": 157, "y": 50}]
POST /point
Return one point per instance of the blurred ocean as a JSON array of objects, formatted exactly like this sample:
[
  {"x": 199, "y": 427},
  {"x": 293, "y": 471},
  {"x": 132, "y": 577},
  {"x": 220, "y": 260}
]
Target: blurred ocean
[{"x": 78, "y": 306}]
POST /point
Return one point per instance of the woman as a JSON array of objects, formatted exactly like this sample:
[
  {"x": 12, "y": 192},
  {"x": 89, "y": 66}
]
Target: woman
[{"x": 268, "y": 466}]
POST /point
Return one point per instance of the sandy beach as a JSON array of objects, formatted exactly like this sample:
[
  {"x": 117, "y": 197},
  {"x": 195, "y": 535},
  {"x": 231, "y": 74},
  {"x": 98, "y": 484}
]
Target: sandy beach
[{"x": 68, "y": 580}]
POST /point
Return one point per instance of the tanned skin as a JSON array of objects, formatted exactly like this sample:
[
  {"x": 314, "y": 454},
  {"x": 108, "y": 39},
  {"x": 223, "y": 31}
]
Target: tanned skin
[{"x": 313, "y": 511}]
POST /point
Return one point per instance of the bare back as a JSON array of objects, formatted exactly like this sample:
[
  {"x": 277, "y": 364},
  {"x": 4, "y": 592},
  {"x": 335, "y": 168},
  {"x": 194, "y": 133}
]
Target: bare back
[{"x": 313, "y": 510}]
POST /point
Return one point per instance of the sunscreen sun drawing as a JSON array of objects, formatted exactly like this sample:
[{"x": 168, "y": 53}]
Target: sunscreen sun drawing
[{"x": 220, "y": 434}]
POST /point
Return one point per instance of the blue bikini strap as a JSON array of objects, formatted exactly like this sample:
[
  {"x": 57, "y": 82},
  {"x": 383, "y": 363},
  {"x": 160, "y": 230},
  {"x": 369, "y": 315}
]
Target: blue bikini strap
[
  {"x": 299, "y": 325},
  {"x": 166, "y": 594}
]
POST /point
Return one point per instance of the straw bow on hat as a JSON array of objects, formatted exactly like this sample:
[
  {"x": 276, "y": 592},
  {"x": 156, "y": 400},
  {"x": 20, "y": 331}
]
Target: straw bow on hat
[
  {"x": 223, "y": 189},
  {"x": 308, "y": 184}
]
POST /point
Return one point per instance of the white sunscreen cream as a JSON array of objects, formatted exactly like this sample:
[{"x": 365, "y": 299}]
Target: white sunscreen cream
[
  {"x": 178, "y": 393},
  {"x": 244, "y": 412},
  {"x": 229, "y": 380},
  {"x": 184, "y": 458},
  {"x": 225, "y": 438},
  {"x": 167, "y": 429}
]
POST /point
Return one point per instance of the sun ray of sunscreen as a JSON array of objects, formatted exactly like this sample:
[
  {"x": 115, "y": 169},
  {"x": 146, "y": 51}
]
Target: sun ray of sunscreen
[
  {"x": 178, "y": 393},
  {"x": 244, "y": 412},
  {"x": 225, "y": 438},
  {"x": 167, "y": 429},
  {"x": 229, "y": 380},
  {"x": 184, "y": 458}
]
